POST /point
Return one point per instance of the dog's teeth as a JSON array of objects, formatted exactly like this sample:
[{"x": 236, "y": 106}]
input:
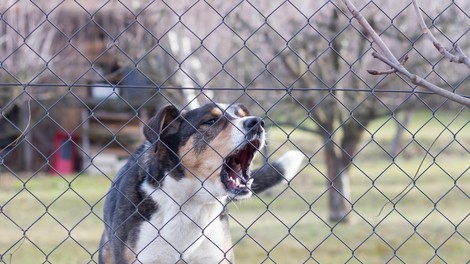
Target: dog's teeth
[
  {"x": 249, "y": 182},
  {"x": 232, "y": 180}
]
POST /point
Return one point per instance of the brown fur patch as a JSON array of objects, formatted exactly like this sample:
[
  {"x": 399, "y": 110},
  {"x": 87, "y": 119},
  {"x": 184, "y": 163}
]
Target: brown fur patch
[
  {"x": 241, "y": 112},
  {"x": 208, "y": 162},
  {"x": 130, "y": 256},
  {"x": 216, "y": 112},
  {"x": 245, "y": 110}
]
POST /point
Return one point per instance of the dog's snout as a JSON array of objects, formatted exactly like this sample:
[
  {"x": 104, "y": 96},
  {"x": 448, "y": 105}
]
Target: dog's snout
[{"x": 253, "y": 123}]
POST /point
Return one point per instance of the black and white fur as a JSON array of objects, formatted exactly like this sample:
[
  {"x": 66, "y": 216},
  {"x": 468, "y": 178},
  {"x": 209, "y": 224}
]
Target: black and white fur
[{"x": 168, "y": 203}]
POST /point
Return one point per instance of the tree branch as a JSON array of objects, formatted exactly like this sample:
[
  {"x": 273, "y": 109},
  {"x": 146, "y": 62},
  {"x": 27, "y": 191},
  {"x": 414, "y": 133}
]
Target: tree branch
[
  {"x": 388, "y": 58},
  {"x": 419, "y": 81},
  {"x": 392, "y": 70},
  {"x": 462, "y": 58}
]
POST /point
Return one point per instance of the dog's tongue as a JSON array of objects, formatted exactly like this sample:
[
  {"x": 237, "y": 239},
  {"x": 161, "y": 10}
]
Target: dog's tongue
[
  {"x": 243, "y": 158},
  {"x": 232, "y": 184}
]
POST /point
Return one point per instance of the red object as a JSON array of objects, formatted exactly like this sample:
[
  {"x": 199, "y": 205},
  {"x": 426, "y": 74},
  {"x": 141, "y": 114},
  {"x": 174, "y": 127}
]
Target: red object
[{"x": 63, "y": 159}]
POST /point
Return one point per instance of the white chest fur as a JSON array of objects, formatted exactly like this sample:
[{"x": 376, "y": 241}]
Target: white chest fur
[{"x": 186, "y": 226}]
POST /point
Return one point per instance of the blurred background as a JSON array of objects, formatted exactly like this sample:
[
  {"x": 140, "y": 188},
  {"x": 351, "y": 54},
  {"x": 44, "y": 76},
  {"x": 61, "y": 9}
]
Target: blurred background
[{"x": 386, "y": 175}]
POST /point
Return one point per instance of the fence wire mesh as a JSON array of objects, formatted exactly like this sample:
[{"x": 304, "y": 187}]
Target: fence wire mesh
[{"x": 385, "y": 171}]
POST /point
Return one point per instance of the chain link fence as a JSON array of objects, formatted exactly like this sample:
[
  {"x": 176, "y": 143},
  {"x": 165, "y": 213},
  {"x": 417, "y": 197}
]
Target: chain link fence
[{"x": 386, "y": 172}]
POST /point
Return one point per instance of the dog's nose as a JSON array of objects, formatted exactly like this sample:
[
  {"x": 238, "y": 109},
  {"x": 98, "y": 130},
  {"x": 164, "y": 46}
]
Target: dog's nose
[{"x": 253, "y": 123}]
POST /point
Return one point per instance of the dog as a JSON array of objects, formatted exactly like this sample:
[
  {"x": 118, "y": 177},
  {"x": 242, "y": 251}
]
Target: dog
[{"x": 168, "y": 204}]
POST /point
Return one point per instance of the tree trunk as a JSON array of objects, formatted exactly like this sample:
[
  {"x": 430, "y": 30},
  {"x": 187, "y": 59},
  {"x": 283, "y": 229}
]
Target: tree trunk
[
  {"x": 338, "y": 162},
  {"x": 397, "y": 139},
  {"x": 338, "y": 186}
]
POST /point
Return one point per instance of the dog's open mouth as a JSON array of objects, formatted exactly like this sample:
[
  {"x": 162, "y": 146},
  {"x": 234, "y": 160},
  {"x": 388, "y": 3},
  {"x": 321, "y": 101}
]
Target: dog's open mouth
[{"x": 236, "y": 169}]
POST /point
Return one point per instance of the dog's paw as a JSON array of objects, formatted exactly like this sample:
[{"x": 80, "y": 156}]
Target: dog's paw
[{"x": 290, "y": 163}]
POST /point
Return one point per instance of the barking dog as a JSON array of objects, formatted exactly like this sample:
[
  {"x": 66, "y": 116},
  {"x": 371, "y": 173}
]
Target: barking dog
[{"x": 168, "y": 203}]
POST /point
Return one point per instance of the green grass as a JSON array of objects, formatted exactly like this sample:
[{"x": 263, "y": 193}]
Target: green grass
[
  {"x": 59, "y": 217},
  {"x": 58, "y": 220}
]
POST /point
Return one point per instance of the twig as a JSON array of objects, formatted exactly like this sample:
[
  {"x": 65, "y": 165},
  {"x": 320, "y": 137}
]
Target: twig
[
  {"x": 389, "y": 59},
  {"x": 419, "y": 81},
  {"x": 379, "y": 72},
  {"x": 392, "y": 70},
  {"x": 16, "y": 249},
  {"x": 367, "y": 27},
  {"x": 462, "y": 58}
]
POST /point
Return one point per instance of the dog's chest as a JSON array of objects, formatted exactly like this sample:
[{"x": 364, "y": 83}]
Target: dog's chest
[{"x": 183, "y": 228}]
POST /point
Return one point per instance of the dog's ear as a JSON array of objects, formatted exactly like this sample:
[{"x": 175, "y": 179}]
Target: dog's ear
[{"x": 166, "y": 122}]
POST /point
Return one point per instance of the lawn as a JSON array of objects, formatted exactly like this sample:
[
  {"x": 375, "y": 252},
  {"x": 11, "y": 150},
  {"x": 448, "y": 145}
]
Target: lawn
[{"x": 58, "y": 220}]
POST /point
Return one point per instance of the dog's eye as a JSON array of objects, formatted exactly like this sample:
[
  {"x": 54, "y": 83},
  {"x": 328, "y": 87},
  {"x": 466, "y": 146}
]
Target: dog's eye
[{"x": 211, "y": 122}]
